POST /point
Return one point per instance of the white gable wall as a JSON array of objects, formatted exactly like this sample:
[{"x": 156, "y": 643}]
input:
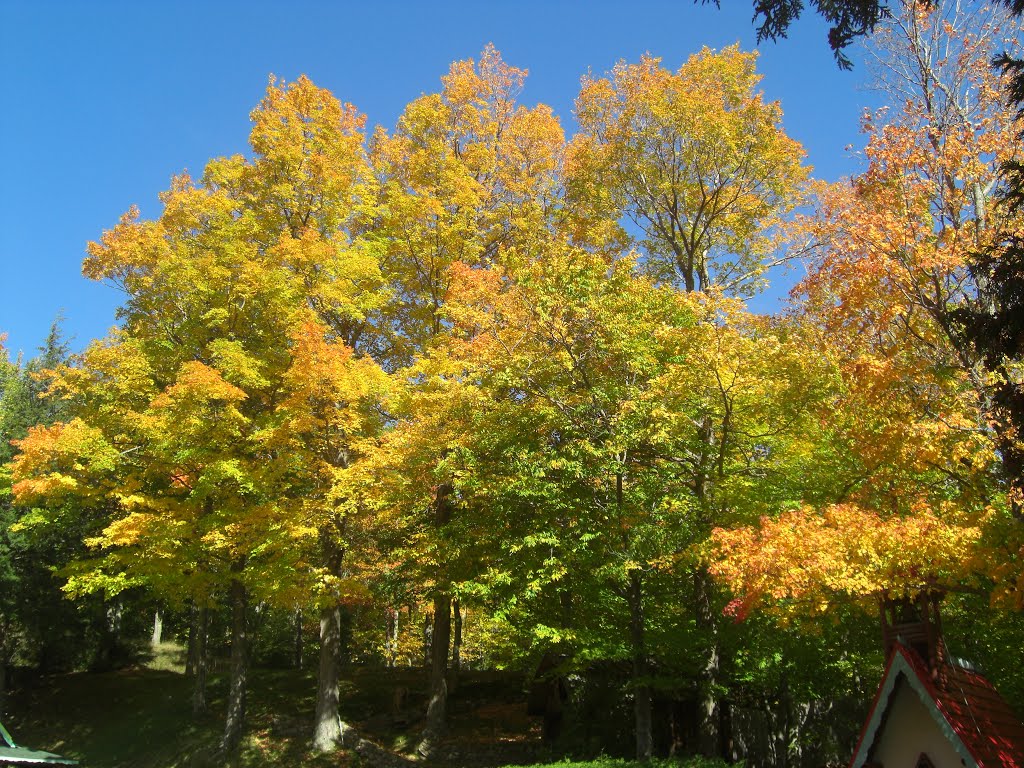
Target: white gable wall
[{"x": 910, "y": 729}]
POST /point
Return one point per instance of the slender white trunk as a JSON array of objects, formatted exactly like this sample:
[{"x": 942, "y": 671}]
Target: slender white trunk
[{"x": 158, "y": 628}]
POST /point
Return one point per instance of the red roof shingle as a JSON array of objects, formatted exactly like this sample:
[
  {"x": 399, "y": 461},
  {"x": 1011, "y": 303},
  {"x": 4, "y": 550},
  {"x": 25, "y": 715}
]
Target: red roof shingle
[
  {"x": 982, "y": 720},
  {"x": 990, "y": 730}
]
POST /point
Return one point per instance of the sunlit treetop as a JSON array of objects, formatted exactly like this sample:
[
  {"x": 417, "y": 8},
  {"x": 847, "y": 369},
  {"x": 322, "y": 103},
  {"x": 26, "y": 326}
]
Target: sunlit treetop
[{"x": 695, "y": 160}]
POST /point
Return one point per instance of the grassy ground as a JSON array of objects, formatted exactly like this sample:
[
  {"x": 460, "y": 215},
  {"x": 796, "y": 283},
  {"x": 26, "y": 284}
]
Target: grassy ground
[{"x": 141, "y": 718}]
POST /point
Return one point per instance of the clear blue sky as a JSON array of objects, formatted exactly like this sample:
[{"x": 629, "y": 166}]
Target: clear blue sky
[{"x": 104, "y": 101}]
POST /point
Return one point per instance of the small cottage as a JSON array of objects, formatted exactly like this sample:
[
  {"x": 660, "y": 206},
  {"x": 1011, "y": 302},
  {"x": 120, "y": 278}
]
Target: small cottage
[{"x": 932, "y": 710}]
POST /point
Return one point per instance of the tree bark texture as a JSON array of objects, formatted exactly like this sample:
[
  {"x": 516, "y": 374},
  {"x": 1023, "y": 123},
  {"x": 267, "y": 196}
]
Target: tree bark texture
[
  {"x": 5, "y": 660},
  {"x": 235, "y": 721},
  {"x": 297, "y": 660},
  {"x": 391, "y": 638},
  {"x": 190, "y": 655},
  {"x": 438, "y": 705},
  {"x": 440, "y": 641},
  {"x": 641, "y": 688},
  {"x": 110, "y": 636},
  {"x": 3, "y": 683},
  {"x": 198, "y": 631},
  {"x": 456, "y": 667},
  {"x": 709, "y": 712},
  {"x": 329, "y": 730},
  {"x": 158, "y": 628},
  {"x": 428, "y": 638}
]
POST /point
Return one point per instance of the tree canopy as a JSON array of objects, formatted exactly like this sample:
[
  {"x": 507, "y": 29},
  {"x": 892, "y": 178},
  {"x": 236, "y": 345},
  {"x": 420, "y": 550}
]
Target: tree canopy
[{"x": 470, "y": 366}]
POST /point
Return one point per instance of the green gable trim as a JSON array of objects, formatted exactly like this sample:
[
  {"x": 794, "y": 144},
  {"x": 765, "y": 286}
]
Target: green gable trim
[
  {"x": 12, "y": 754},
  {"x": 22, "y": 756},
  {"x": 900, "y": 669}
]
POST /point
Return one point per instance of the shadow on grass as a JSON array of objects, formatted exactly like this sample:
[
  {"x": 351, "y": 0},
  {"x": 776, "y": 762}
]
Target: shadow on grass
[{"x": 141, "y": 718}]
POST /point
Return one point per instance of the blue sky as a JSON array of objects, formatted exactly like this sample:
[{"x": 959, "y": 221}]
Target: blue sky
[{"x": 104, "y": 101}]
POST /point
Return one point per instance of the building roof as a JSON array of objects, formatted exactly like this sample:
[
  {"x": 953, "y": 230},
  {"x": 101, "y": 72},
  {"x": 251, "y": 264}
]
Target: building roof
[
  {"x": 12, "y": 753},
  {"x": 967, "y": 708}
]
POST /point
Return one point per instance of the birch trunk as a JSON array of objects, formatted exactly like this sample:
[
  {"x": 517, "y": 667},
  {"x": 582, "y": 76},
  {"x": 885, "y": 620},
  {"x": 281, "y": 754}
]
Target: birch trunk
[{"x": 158, "y": 629}]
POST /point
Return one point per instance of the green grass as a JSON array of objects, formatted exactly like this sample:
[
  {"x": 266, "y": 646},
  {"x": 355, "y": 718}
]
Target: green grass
[
  {"x": 613, "y": 762},
  {"x": 141, "y": 718}
]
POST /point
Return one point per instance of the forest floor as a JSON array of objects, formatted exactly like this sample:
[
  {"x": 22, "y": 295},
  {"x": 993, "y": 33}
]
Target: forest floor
[{"x": 140, "y": 717}]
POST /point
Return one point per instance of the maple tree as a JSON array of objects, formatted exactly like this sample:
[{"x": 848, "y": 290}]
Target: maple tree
[
  {"x": 694, "y": 169},
  {"x": 917, "y": 500},
  {"x": 175, "y": 414},
  {"x": 574, "y": 399},
  {"x": 467, "y": 174},
  {"x": 467, "y": 367},
  {"x": 695, "y": 159},
  {"x": 798, "y": 563},
  {"x": 328, "y": 408}
]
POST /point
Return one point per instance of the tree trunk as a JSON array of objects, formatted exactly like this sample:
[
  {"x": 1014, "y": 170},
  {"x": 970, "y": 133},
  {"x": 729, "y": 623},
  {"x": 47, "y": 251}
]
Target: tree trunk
[
  {"x": 198, "y": 631},
  {"x": 4, "y": 658},
  {"x": 641, "y": 688},
  {"x": 297, "y": 661},
  {"x": 329, "y": 730},
  {"x": 453, "y": 676},
  {"x": 440, "y": 639},
  {"x": 391, "y": 638},
  {"x": 235, "y": 722},
  {"x": 190, "y": 655},
  {"x": 438, "y": 705},
  {"x": 5, "y": 662},
  {"x": 428, "y": 637},
  {"x": 110, "y": 637},
  {"x": 709, "y": 714},
  {"x": 158, "y": 628}
]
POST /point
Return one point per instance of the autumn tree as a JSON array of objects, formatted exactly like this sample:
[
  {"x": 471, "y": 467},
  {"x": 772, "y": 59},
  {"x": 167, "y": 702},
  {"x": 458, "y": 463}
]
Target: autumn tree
[
  {"x": 329, "y": 406},
  {"x": 571, "y": 395},
  {"x": 467, "y": 174},
  {"x": 176, "y": 413},
  {"x": 696, "y": 167},
  {"x": 893, "y": 271},
  {"x": 695, "y": 160},
  {"x": 929, "y": 198},
  {"x": 916, "y": 504}
]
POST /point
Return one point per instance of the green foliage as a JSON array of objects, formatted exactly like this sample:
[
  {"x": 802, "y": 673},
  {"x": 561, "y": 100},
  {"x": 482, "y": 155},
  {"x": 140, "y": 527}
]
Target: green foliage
[
  {"x": 613, "y": 762},
  {"x": 431, "y": 364},
  {"x": 39, "y": 627}
]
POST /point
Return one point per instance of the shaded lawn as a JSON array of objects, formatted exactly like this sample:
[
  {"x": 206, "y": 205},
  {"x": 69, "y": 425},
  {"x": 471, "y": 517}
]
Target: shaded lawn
[{"x": 141, "y": 718}]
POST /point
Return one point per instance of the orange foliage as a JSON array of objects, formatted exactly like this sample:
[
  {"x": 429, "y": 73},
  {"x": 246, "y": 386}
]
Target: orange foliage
[{"x": 805, "y": 558}]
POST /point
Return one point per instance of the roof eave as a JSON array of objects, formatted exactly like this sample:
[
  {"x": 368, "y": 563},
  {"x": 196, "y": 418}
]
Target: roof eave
[{"x": 898, "y": 665}]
